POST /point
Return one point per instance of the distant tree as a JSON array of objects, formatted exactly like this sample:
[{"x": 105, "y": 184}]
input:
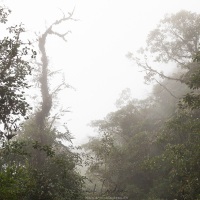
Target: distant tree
[
  {"x": 174, "y": 169},
  {"x": 123, "y": 145},
  {"x": 174, "y": 41},
  {"x": 151, "y": 147},
  {"x": 176, "y": 38}
]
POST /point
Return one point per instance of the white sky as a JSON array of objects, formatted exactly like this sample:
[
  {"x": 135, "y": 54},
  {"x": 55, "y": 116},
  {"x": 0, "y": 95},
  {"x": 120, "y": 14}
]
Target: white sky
[{"x": 94, "y": 59}]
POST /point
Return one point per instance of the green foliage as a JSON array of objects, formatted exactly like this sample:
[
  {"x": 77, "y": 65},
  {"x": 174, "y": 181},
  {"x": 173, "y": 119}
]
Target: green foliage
[
  {"x": 34, "y": 164},
  {"x": 155, "y": 161},
  {"x": 155, "y": 149},
  {"x": 52, "y": 164},
  {"x": 46, "y": 171},
  {"x": 15, "y": 182},
  {"x": 14, "y": 178},
  {"x": 14, "y": 70},
  {"x": 178, "y": 164},
  {"x": 121, "y": 149},
  {"x": 56, "y": 180}
]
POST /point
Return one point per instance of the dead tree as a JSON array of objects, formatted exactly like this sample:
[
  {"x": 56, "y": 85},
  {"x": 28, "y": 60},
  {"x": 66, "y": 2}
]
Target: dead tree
[{"x": 46, "y": 103}]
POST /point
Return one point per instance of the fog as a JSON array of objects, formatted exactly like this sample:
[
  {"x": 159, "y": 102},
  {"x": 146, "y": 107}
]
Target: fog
[
  {"x": 93, "y": 59},
  {"x": 133, "y": 115}
]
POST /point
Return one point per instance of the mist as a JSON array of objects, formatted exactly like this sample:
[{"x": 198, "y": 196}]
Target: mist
[{"x": 105, "y": 99}]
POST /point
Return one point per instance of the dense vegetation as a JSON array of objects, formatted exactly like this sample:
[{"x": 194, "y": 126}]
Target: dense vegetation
[
  {"x": 146, "y": 149},
  {"x": 150, "y": 149},
  {"x": 34, "y": 162}
]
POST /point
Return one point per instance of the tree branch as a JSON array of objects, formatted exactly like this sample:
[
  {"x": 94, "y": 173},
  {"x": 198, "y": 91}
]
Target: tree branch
[
  {"x": 60, "y": 35},
  {"x": 166, "y": 89},
  {"x": 148, "y": 68}
]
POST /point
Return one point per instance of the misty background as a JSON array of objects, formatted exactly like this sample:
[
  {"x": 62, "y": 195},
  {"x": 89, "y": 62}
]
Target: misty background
[
  {"x": 93, "y": 59},
  {"x": 99, "y": 100}
]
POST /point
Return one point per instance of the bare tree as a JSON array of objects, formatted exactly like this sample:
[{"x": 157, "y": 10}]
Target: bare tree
[{"x": 46, "y": 103}]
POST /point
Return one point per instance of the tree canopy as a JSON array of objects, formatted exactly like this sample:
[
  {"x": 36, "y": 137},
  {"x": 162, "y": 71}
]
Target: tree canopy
[{"x": 149, "y": 149}]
